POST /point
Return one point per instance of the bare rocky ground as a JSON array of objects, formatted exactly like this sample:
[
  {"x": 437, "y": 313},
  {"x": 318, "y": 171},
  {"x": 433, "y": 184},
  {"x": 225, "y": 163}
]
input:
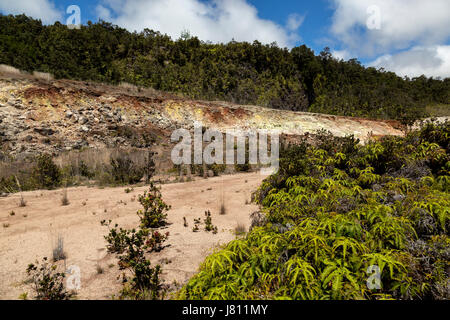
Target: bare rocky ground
[
  {"x": 61, "y": 115},
  {"x": 33, "y": 230}
]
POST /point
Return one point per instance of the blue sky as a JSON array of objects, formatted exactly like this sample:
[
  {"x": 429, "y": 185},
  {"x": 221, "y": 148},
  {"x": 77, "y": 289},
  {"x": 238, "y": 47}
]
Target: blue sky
[{"x": 409, "y": 37}]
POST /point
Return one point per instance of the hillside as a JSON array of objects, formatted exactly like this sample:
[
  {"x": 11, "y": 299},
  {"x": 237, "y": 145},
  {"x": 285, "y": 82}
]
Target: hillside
[
  {"x": 295, "y": 79},
  {"x": 39, "y": 116}
]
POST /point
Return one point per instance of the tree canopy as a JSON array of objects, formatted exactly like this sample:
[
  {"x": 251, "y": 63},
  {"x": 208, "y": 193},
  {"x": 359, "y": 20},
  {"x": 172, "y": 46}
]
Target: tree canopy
[{"x": 239, "y": 72}]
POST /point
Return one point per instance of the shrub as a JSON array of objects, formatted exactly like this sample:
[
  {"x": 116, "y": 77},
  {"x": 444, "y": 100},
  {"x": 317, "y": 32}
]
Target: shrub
[
  {"x": 131, "y": 246},
  {"x": 332, "y": 211},
  {"x": 125, "y": 171},
  {"x": 46, "y": 172},
  {"x": 85, "y": 171},
  {"x": 47, "y": 283},
  {"x": 154, "y": 210},
  {"x": 208, "y": 223},
  {"x": 155, "y": 242}
]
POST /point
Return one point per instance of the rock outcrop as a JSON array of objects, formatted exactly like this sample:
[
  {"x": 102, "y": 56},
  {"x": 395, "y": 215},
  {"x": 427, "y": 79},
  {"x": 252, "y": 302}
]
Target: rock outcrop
[{"x": 53, "y": 116}]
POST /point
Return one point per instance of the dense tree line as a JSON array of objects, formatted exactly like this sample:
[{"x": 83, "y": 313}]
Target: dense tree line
[{"x": 240, "y": 72}]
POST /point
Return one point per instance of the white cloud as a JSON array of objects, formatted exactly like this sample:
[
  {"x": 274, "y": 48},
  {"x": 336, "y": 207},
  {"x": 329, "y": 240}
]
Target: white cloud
[
  {"x": 403, "y": 23},
  {"x": 294, "y": 21},
  {"x": 341, "y": 54},
  {"x": 38, "y": 9},
  {"x": 214, "y": 20},
  {"x": 431, "y": 61}
]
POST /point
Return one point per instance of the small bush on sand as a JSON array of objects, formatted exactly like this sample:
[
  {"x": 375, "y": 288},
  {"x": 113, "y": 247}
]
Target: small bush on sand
[
  {"x": 47, "y": 283},
  {"x": 208, "y": 223},
  {"x": 154, "y": 210},
  {"x": 131, "y": 246}
]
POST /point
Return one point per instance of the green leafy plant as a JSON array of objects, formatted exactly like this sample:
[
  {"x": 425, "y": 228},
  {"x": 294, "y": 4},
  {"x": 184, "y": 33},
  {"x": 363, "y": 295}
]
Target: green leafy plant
[
  {"x": 153, "y": 214},
  {"x": 333, "y": 210},
  {"x": 208, "y": 223},
  {"x": 47, "y": 283}
]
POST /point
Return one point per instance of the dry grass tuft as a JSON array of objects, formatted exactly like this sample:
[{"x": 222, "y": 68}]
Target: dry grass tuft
[
  {"x": 223, "y": 209},
  {"x": 58, "y": 249},
  {"x": 64, "y": 199},
  {"x": 240, "y": 229}
]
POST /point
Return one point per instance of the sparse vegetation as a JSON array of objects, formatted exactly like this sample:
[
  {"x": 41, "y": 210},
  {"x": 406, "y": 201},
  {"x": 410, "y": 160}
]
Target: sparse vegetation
[
  {"x": 208, "y": 223},
  {"x": 71, "y": 169},
  {"x": 197, "y": 223},
  {"x": 132, "y": 245}
]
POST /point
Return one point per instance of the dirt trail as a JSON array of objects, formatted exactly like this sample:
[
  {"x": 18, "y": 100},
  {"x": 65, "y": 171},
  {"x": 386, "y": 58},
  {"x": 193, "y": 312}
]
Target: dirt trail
[{"x": 34, "y": 228}]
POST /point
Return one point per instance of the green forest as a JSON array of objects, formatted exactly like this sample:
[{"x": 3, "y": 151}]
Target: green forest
[{"x": 245, "y": 73}]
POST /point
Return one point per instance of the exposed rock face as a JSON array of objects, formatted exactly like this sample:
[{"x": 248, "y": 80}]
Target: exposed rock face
[{"x": 54, "y": 116}]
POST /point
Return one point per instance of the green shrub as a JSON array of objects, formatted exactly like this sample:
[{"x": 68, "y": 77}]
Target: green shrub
[
  {"x": 332, "y": 211},
  {"x": 132, "y": 245},
  {"x": 46, "y": 173},
  {"x": 153, "y": 214},
  {"x": 208, "y": 223},
  {"x": 125, "y": 171},
  {"x": 47, "y": 283}
]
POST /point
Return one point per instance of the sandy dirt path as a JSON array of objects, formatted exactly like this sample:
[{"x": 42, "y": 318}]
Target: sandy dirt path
[{"x": 31, "y": 232}]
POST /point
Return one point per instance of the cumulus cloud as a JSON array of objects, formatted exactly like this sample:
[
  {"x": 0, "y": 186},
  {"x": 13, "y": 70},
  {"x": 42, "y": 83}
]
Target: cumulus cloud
[
  {"x": 341, "y": 54},
  {"x": 294, "y": 21},
  {"x": 213, "y": 20},
  {"x": 38, "y": 9},
  {"x": 402, "y": 24},
  {"x": 431, "y": 61}
]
